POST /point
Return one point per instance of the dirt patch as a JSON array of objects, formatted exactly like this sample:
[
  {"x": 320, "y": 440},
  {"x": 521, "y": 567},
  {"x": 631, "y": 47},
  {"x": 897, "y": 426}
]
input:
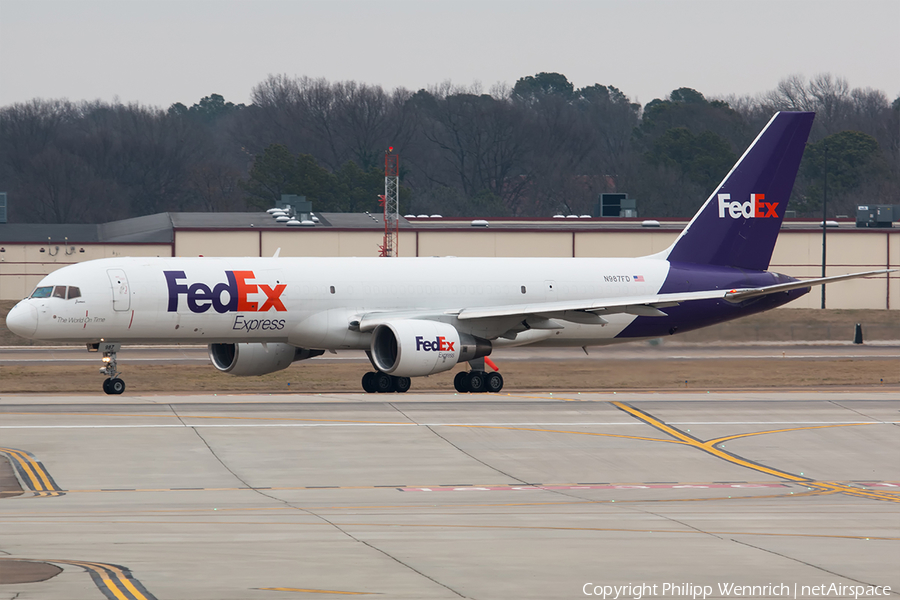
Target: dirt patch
[
  {"x": 526, "y": 375},
  {"x": 26, "y": 571}
]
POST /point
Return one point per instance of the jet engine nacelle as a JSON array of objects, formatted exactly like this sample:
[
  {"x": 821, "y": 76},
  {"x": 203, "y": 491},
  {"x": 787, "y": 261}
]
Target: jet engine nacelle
[
  {"x": 413, "y": 347},
  {"x": 256, "y": 359}
]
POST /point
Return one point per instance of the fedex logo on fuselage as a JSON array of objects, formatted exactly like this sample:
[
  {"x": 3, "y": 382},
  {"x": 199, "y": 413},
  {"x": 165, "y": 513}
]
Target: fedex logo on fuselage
[
  {"x": 754, "y": 208},
  {"x": 229, "y": 296},
  {"x": 440, "y": 344}
]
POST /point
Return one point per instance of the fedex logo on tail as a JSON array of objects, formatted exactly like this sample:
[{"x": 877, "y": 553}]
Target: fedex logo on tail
[
  {"x": 754, "y": 208},
  {"x": 228, "y": 296}
]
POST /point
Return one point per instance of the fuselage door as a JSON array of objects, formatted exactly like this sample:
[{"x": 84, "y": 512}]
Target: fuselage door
[{"x": 121, "y": 291}]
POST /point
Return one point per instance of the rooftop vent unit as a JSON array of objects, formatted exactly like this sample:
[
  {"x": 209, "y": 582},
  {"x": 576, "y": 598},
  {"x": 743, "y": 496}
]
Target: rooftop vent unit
[
  {"x": 616, "y": 205},
  {"x": 296, "y": 206},
  {"x": 877, "y": 215}
]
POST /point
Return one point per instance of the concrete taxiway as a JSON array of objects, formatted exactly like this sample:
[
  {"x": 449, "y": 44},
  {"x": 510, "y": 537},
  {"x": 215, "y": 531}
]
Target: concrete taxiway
[{"x": 532, "y": 495}]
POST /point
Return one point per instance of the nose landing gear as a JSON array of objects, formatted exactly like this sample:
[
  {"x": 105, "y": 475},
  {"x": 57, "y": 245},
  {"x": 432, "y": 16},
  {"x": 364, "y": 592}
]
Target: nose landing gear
[{"x": 112, "y": 385}]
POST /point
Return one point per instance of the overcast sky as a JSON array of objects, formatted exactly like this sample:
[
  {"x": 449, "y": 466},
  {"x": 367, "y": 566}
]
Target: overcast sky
[{"x": 164, "y": 51}]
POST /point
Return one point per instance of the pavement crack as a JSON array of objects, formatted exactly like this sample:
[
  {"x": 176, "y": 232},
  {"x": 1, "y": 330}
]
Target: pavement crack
[
  {"x": 222, "y": 462},
  {"x": 853, "y": 410},
  {"x": 314, "y": 514},
  {"x": 346, "y": 533},
  {"x": 377, "y": 549},
  {"x": 682, "y": 523},
  {"x": 802, "y": 562},
  {"x": 216, "y": 456},
  {"x": 403, "y": 414},
  {"x": 473, "y": 457},
  {"x": 493, "y": 468}
]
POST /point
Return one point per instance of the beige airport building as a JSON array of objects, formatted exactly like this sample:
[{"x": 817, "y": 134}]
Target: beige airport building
[{"x": 28, "y": 252}]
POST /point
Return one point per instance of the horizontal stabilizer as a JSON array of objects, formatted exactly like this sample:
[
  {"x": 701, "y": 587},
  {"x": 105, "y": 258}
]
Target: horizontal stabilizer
[{"x": 749, "y": 293}]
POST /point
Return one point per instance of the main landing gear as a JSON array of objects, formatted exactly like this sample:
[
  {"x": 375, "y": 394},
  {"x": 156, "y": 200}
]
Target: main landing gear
[
  {"x": 475, "y": 381},
  {"x": 112, "y": 385},
  {"x": 382, "y": 383},
  {"x": 478, "y": 382}
]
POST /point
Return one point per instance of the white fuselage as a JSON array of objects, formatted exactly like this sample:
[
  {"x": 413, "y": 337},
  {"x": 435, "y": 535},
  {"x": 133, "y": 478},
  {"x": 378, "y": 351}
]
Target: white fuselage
[{"x": 313, "y": 302}]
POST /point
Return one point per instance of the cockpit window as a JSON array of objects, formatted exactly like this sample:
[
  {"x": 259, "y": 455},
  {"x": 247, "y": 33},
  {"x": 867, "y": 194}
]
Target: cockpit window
[
  {"x": 42, "y": 292},
  {"x": 74, "y": 292},
  {"x": 59, "y": 292}
]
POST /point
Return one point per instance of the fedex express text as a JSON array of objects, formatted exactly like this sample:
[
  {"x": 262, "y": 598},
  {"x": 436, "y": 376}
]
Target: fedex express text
[{"x": 232, "y": 295}]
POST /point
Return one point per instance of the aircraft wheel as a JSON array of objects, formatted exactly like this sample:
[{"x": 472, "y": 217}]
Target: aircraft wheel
[
  {"x": 383, "y": 383},
  {"x": 402, "y": 384},
  {"x": 493, "y": 383},
  {"x": 475, "y": 381},
  {"x": 106, "y": 386},
  {"x": 368, "y": 382},
  {"x": 116, "y": 386},
  {"x": 459, "y": 382}
]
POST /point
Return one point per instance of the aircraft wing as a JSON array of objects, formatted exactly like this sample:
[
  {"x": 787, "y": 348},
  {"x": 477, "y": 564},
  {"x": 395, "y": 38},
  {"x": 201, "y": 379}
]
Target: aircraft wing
[
  {"x": 591, "y": 311},
  {"x": 578, "y": 311}
]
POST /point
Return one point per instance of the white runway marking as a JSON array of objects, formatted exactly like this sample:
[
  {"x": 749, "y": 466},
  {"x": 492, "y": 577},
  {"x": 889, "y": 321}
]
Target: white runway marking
[{"x": 170, "y": 425}]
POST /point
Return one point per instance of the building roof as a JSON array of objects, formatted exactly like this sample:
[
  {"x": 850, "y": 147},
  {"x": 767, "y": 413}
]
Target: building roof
[
  {"x": 160, "y": 228},
  {"x": 40, "y": 232},
  {"x": 147, "y": 230}
]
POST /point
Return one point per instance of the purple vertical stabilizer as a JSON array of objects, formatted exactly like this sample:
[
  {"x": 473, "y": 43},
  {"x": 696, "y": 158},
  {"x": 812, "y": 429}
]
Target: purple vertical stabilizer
[{"x": 738, "y": 224}]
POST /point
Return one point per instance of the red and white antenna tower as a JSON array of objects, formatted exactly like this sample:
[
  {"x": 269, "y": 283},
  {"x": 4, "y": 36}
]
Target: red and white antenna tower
[{"x": 391, "y": 203}]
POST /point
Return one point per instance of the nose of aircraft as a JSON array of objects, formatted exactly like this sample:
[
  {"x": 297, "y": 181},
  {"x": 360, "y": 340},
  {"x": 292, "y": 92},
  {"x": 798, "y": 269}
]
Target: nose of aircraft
[{"x": 22, "y": 320}]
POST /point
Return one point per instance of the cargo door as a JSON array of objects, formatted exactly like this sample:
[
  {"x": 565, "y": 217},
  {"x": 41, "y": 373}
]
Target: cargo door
[{"x": 121, "y": 291}]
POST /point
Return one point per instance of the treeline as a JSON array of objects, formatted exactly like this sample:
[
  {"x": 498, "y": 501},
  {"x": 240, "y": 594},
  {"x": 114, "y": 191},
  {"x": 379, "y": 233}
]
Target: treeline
[{"x": 536, "y": 149}]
